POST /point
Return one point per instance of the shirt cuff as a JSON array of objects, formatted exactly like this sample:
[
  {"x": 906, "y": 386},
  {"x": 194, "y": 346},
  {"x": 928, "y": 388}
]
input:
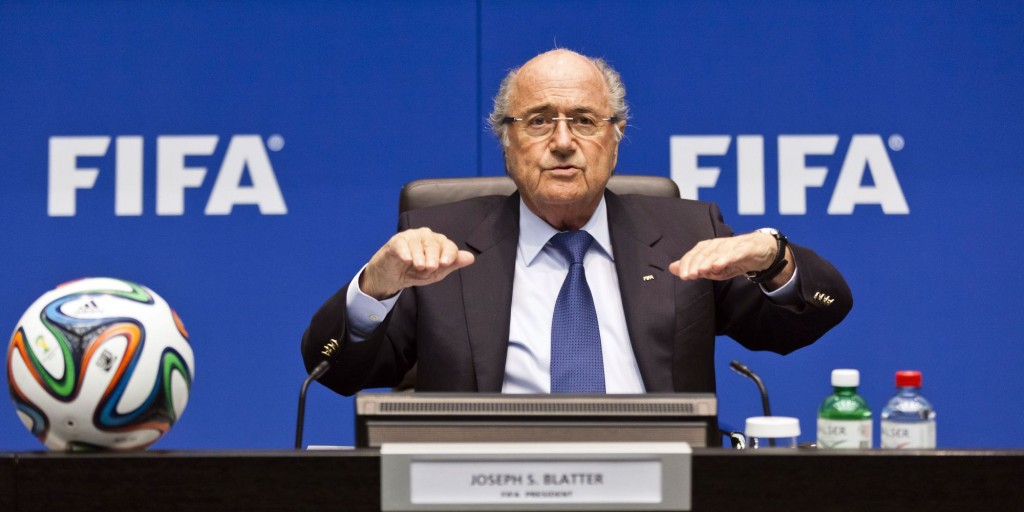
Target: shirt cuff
[
  {"x": 789, "y": 293},
  {"x": 365, "y": 313}
]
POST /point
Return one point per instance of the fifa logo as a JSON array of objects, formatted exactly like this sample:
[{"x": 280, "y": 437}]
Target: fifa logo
[
  {"x": 245, "y": 155},
  {"x": 866, "y": 156},
  {"x": 45, "y": 348}
]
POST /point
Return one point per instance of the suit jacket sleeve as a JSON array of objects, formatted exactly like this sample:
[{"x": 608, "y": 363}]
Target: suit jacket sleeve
[
  {"x": 379, "y": 361},
  {"x": 747, "y": 315}
]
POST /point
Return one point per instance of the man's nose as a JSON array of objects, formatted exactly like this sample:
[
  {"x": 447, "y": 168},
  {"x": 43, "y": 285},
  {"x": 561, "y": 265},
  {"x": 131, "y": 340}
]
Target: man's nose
[{"x": 562, "y": 138}]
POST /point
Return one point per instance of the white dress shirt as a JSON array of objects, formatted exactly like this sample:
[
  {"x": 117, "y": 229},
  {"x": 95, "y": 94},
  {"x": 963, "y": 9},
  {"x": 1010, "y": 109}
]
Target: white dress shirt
[{"x": 540, "y": 271}]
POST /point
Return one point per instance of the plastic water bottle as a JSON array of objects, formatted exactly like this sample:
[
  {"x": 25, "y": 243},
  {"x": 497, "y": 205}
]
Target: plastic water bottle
[
  {"x": 908, "y": 420},
  {"x": 844, "y": 420}
]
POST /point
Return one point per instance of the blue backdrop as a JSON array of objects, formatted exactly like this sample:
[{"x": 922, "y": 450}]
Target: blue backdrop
[{"x": 920, "y": 106}]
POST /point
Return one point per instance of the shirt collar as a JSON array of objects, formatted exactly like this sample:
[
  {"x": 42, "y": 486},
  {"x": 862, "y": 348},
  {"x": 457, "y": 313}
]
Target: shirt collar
[{"x": 534, "y": 233}]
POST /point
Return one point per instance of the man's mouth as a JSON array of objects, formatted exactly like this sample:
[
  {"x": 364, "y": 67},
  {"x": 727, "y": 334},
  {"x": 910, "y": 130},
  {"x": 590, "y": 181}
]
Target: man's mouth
[{"x": 564, "y": 169}]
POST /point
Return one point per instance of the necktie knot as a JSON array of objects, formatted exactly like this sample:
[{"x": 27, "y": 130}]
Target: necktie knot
[{"x": 573, "y": 245}]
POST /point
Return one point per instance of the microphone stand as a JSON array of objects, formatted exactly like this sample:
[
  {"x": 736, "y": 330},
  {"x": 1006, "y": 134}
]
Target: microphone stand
[
  {"x": 742, "y": 369},
  {"x": 317, "y": 372}
]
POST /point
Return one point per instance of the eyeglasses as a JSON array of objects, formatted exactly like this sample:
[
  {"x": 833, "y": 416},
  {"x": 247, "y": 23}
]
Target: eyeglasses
[{"x": 542, "y": 125}]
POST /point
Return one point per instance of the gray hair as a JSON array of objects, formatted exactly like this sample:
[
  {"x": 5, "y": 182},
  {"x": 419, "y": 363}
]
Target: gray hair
[{"x": 612, "y": 81}]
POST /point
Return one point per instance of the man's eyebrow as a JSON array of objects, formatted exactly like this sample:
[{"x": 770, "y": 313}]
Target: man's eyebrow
[
  {"x": 546, "y": 107},
  {"x": 582, "y": 110}
]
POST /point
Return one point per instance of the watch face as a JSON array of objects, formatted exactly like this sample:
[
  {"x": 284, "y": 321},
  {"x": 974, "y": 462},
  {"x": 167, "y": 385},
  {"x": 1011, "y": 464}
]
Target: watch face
[{"x": 769, "y": 231}]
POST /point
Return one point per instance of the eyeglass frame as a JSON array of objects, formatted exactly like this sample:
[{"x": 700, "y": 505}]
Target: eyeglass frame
[{"x": 610, "y": 120}]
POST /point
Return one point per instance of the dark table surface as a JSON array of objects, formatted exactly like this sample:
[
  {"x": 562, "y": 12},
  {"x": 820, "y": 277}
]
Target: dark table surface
[{"x": 349, "y": 480}]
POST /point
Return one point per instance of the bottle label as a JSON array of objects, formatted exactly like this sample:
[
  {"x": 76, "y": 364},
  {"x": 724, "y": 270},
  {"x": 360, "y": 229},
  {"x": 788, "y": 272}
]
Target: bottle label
[
  {"x": 844, "y": 434},
  {"x": 896, "y": 435}
]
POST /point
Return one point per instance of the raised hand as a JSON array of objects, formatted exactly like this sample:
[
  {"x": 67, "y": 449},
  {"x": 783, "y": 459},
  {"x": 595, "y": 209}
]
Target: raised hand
[
  {"x": 724, "y": 258},
  {"x": 413, "y": 257}
]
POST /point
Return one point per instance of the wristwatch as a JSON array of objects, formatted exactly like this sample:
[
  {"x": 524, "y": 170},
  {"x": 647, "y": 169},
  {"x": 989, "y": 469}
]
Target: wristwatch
[{"x": 778, "y": 263}]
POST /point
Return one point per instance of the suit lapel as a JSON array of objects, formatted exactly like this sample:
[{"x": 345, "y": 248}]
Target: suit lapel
[
  {"x": 487, "y": 292},
  {"x": 647, "y": 290}
]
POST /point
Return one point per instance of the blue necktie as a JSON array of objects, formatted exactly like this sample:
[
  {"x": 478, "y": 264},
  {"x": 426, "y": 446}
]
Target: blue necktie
[{"x": 576, "y": 363}]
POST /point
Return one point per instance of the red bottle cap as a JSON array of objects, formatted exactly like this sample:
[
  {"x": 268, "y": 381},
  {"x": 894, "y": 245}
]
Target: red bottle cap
[{"x": 908, "y": 379}]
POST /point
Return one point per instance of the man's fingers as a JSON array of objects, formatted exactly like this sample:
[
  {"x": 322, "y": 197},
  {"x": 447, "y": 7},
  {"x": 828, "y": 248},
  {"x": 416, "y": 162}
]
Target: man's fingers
[
  {"x": 415, "y": 277},
  {"x": 419, "y": 248},
  {"x": 431, "y": 251},
  {"x": 399, "y": 247},
  {"x": 720, "y": 259},
  {"x": 463, "y": 259},
  {"x": 415, "y": 244},
  {"x": 426, "y": 257},
  {"x": 449, "y": 251},
  {"x": 691, "y": 264}
]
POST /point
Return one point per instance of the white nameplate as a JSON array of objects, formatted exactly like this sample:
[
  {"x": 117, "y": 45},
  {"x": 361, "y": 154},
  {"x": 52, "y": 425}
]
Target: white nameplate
[{"x": 535, "y": 476}]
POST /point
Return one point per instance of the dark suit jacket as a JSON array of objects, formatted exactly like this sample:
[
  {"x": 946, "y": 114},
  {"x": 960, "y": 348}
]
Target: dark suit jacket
[{"x": 457, "y": 329}]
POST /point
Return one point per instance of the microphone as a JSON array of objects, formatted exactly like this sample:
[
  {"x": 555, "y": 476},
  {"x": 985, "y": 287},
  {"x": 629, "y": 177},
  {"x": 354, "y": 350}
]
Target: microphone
[
  {"x": 317, "y": 372},
  {"x": 742, "y": 369}
]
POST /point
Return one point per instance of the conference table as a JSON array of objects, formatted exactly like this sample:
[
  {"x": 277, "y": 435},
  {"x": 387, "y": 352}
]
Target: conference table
[{"x": 349, "y": 480}]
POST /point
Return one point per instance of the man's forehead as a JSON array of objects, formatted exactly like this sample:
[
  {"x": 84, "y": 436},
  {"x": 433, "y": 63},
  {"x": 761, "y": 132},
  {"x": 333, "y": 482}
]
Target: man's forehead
[{"x": 559, "y": 80}]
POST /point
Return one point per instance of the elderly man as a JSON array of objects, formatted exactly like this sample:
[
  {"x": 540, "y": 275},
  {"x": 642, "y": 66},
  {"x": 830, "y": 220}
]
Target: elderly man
[{"x": 565, "y": 286}]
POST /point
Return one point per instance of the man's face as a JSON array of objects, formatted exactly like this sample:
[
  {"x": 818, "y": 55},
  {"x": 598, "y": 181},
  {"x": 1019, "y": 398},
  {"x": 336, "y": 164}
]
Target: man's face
[{"x": 560, "y": 174}]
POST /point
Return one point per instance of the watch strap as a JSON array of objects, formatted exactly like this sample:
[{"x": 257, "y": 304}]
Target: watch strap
[{"x": 777, "y": 264}]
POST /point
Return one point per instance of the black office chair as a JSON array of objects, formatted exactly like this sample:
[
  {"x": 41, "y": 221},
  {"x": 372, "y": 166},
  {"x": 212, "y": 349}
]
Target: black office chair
[
  {"x": 432, "y": 192},
  {"x": 437, "y": 191}
]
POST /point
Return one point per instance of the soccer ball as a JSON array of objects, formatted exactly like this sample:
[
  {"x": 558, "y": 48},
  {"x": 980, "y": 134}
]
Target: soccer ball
[{"x": 99, "y": 364}]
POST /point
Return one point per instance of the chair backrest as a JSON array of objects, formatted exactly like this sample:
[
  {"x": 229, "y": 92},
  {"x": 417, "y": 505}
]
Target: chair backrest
[
  {"x": 435, "y": 191},
  {"x": 432, "y": 192}
]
